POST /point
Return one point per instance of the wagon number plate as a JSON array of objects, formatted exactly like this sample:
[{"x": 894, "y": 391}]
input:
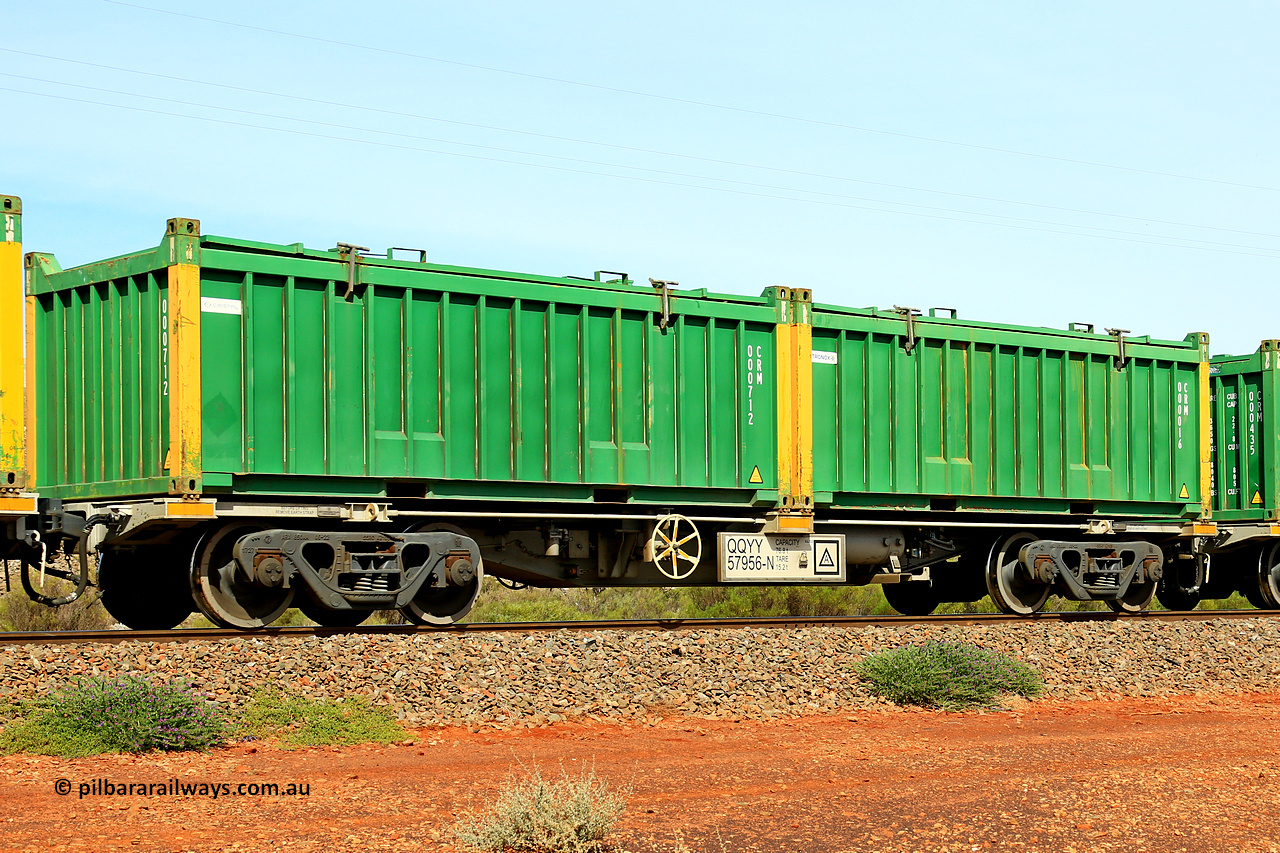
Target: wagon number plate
[{"x": 781, "y": 558}]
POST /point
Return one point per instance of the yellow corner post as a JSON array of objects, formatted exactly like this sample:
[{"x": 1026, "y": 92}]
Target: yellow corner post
[
  {"x": 30, "y": 395},
  {"x": 795, "y": 403},
  {"x": 13, "y": 371},
  {"x": 1206, "y": 430},
  {"x": 184, "y": 459},
  {"x": 786, "y": 409},
  {"x": 803, "y": 482}
]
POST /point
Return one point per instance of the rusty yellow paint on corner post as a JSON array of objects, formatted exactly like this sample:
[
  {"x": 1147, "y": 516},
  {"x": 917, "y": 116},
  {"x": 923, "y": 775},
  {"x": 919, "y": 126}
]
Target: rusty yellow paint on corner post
[
  {"x": 1206, "y": 430},
  {"x": 13, "y": 371},
  {"x": 184, "y": 460}
]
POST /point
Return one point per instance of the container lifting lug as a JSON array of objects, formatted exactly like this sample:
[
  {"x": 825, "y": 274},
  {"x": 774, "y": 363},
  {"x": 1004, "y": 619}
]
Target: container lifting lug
[
  {"x": 664, "y": 289},
  {"x": 352, "y": 253},
  {"x": 909, "y": 314},
  {"x": 1119, "y": 334}
]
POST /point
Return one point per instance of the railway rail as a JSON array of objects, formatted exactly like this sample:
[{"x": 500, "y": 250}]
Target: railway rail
[{"x": 187, "y": 635}]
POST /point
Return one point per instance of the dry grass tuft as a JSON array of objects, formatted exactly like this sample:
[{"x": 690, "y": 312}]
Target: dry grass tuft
[{"x": 571, "y": 814}]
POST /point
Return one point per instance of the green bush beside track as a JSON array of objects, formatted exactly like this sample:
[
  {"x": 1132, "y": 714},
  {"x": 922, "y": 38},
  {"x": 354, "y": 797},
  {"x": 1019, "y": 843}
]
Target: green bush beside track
[
  {"x": 950, "y": 676},
  {"x": 129, "y": 714}
]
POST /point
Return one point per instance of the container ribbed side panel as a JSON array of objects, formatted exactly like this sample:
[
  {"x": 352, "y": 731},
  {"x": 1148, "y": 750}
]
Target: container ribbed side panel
[
  {"x": 1246, "y": 435},
  {"x": 997, "y": 418},
  {"x": 418, "y": 378},
  {"x": 101, "y": 375}
]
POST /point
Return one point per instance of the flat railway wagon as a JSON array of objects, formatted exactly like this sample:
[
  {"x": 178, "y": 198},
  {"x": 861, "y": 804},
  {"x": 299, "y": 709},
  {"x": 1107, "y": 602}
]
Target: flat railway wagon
[{"x": 240, "y": 427}]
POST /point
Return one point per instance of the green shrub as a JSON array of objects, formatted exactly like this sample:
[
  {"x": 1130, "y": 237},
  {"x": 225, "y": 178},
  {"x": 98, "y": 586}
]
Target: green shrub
[
  {"x": 129, "y": 714},
  {"x": 952, "y": 676},
  {"x": 299, "y": 721},
  {"x": 572, "y": 814}
]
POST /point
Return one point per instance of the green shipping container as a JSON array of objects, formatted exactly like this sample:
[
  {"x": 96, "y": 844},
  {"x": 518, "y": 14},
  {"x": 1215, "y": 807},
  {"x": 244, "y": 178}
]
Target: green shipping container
[
  {"x": 1246, "y": 434},
  {"x": 218, "y": 366},
  {"x": 950, "y": 414}
]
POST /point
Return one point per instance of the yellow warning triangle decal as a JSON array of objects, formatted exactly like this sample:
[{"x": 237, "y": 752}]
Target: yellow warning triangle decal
[
  {"x": 1184, "y": 493},
  {"x": 755, "y": 475},
  {"x": 1257, "y": 499}
]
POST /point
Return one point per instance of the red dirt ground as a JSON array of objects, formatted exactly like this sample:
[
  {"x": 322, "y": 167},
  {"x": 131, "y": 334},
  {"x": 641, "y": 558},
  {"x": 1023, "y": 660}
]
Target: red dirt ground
[{"x": 1185, "y": 774}]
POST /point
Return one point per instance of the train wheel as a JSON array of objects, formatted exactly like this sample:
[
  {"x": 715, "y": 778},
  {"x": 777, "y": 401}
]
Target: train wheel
[
  {"x": 911, "y": 598},
  {"x": 220, "y": 589},
  {"x": 1007, "y": 581},
  {"x": 327, "y": 618},
  {"x": 141, "y": 592},
  {"x": 1268, "y": 580},
  {"x": 443, "y": 605},
  {"x": 1174, "y": 597},
  {"x": 1136, "y": 598}
]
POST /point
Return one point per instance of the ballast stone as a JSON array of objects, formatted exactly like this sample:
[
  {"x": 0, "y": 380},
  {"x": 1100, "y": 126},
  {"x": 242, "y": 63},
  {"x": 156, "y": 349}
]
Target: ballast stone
[{"x": 511, "y": 679}]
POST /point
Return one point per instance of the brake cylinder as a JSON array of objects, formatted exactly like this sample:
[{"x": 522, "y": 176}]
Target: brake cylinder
[{"x": 873, "y": 546}]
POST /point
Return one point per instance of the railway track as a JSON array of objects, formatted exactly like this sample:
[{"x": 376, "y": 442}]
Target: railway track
[{"x": 187, "y": 635}]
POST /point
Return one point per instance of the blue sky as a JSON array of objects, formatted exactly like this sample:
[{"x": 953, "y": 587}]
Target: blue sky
[{"x": 1113, "y": 163}]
